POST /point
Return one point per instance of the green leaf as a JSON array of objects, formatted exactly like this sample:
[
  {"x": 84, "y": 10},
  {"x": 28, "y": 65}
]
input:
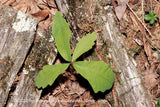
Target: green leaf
[
  {"x": 151, "y": 21},
  {"x": 147, "y": 17},
  {"x": 98, "y": 73},
  {"x": 151, "y": 17},
  {"x": 49, "y": 74},
  {"x": 158, "y": 104},
  {"x": 61, "y": 34},
  {"x": 84, "y": 45},
  {"x": 151, "y": 12},
  {"x": 156, "y": 16}
]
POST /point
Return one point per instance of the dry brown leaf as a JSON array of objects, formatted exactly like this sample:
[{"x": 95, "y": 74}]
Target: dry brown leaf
[
  {"x": 147, "y": 48},
  {"x": 26, "y": 6},
  {"x": 50, "y": 3},
  {"x": 6, "y": 2},
  {"x": 120, "y": 9},
  {"x": 134, "y": 1},
  {"x": 150, "y": 80},
  {"x": 41, "y": 14},
  {"x": 150, "y": 77},
  {"x": 46, "y": 23},
  {"x": 75, "y": 87},
  {"x": 53, "y": 12},
  {"x": 155, "y": 55},
  {"x": 52, "y": 100},
  {"x": 43, "y": 6}
]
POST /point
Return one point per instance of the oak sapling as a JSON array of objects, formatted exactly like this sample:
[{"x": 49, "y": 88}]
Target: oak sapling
[{"x": 98, "y": 73}]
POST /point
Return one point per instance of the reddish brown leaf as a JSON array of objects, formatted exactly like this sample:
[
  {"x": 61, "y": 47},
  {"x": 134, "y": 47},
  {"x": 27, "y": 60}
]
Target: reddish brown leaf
[
  {"x": 150, "y": 80},
  {"x": 41, "y": 14},
  {"x": 26, "y": 6},
  {"x": 6, "y": 2},
  {"x": 147, "y": 48},
  {"x": 134, "y": 1}
]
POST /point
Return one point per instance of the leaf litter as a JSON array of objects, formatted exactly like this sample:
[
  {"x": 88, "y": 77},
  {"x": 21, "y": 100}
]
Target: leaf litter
[
  {"x": 71, "y": 92},
  {"x": 144, "y": 42},
  {"x": 141, "y": 37}
]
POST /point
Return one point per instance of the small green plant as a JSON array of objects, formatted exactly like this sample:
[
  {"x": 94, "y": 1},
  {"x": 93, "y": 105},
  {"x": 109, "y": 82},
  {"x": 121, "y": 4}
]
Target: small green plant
[
  {"x": 98, "y": 73},
  {"x": 151, "y": 17},
  {"x": 158, "y": 104}
]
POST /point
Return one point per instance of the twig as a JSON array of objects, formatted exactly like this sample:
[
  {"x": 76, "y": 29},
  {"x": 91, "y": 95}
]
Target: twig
[
  {"x": 145, "y": 29},
  {"x": 115, "y": 97},
  {"x": 151, "y": 4},
  {"x": 142, "y": 11}
]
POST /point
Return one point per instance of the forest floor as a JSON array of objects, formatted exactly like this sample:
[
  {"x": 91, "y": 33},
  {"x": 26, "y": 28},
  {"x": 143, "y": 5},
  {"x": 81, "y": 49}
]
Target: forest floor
[
  {"x": 142, "y": 37},
  {"x": 143, "y": 41}
]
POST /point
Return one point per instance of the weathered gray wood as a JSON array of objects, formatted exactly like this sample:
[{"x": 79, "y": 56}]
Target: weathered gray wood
[
  {"x": 17, "y": 32},
  {"x": 42, "y": 53},
  {"x": 130, "y": 93}
]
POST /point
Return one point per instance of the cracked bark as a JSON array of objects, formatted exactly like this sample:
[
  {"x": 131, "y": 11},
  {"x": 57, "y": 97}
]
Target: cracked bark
[{"x": 17, "y": 35}]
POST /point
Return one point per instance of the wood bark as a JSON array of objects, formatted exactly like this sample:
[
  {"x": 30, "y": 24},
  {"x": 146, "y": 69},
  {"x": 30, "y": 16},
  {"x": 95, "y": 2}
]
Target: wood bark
[
  {"x": 43, "y": 53},
  {"x": 131, "y": 93},
  {"x": 17, "y": 35},
  {"x": 15, "y": 42}
]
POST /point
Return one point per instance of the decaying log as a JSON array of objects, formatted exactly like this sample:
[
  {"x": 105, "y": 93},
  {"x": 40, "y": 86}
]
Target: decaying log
[
  {"x": 17, "y": 32},
  {"x": 131, "y": 93},
  {"x": 17, "y": 35},
  {"x": 43, "y": 53}
]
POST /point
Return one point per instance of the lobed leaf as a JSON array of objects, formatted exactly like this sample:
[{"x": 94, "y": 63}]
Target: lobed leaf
[
  {"x": 84, "y": 45},
  {"x": 61, "y": 34},
  {"x": 98, "y": 73},
  {"x": 49, "y": 74},
  {"x": 151, "y": 21},
  {"x": 148, "y": 17},
  {"x": 151, "y": 17},
  {"x": 155, "y": 16},
  {"x": 151, "y": 13}
]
